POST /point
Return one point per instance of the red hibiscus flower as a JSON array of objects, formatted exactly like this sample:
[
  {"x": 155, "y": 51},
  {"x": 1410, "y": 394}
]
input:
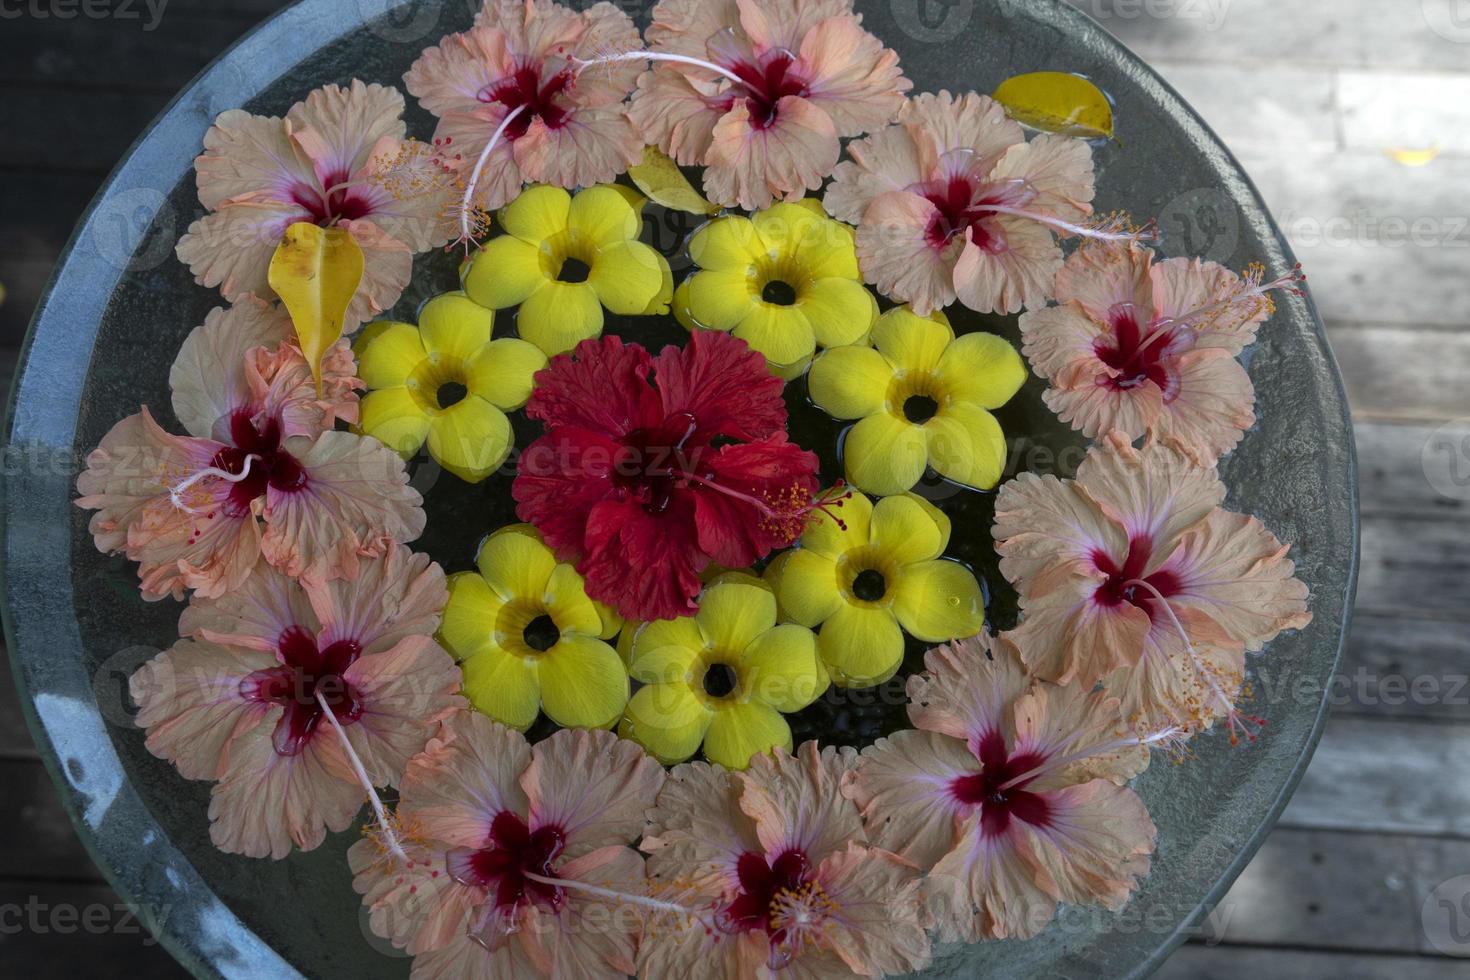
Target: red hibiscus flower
[{"x": 652, "y": 468}]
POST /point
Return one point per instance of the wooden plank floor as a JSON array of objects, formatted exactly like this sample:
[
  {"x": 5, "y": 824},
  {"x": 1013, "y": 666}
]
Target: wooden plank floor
[{"x": 1320, "y": 100}]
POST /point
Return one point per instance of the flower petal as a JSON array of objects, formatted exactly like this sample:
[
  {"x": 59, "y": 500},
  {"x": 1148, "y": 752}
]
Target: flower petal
[
  {"x": 470, "y": 615},
  {"x": 583, "y": 683},
  {"x": 515, "y": 562},
  {"x": 966, "y": 444},
  {"x": 861, "y": 646},
  {"x": 455, "y": 325},
  {"x": 503, "y": 372},
  {"x": 387, "y": 353},
  {"x": 882, "y": 454},
  {"x": 665, "y": 649},
  {"x": 904, "y": 530},
  {"x": 566, "y": 602},
  {"x": 502, "y": 686},
  {"x": 395, "y": 418},
  {"x": 841, "y": 311},
  {"x": 781, "y": 668},
  {"x": 733, "y": 613},
  {"x": 505, "y": 272},
  {"x": 470, "y": 439},
  {"x": 937, "y": 601},
  {"x": 912, "y": 342},
  {"x": 600, "y": 217},
  {"x": 981, "y": 368},
  {"x": 729, "y": 243},
  {"x": 627, "y": 276},
  {"x": 832, "y": 535},
  {"x": 740, "y": 731},
  {"x": 594, "y": 786},
  {"x": 903, "y": 786},
  {"x": 721, "y": 299},
  {"x": 850, "y": 382},
  {"x": 806, "y": 587},
  {"x": 559, "y": 316},
  {"x": 782, "y": 333},
  {"x": 666, "y": 719},
  {"x": 537, "y": 213}
]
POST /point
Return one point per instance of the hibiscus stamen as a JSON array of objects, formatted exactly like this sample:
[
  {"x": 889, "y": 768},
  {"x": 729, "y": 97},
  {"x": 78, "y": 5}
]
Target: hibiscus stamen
[
  {"x": 784, "y": 513},
  {"x": 467, "y": 203},
  {"x": 657, "y": 905},
  {"x": 386, "y": 835},
  {"x": 1239, "y": 723},
  {"x": 176, "y": 492},
  {"x": 1055, "y": 762},
  {"x": 1247, "y": 288},
  {"x": 608, "y": 59},
  {"x": 1113, "y": 228},
  {"x": 800, "y": 916}
]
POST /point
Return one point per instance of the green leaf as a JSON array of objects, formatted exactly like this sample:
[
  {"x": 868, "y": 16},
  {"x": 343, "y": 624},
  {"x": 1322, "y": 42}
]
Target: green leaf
[
  {"x": 662, "y": 180},
  {"x": 316, "y": 272},
  {"x": 1058, "y": 102}
]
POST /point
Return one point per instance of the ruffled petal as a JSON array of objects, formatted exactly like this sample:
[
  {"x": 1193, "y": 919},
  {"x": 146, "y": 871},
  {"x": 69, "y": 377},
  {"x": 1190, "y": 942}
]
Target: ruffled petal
[
  {"x": 896, "y": 256},
  {"x": 453, "y": 790},
  {"x": 904, "y": 786},
  {"x": 594, "y": 786},
  {"x": 748, "y": 166}
]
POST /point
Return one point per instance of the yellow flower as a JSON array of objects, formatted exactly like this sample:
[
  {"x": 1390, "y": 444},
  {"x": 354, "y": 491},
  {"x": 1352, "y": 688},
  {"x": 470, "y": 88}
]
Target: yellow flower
[
  {"x": 721, "y": 677},
  {"x": 784, "y": 281},
  {"x": 922, "y": 397},
  {"x": 447, "y": 382},
  {"x": 867, "y": 582},
  {"x": 527, "y": 637},
  {"x": 563, "y": 259}
]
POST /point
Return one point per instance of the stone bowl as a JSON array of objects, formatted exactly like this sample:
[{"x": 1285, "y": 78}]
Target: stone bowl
[{"x": 120, "y": 305}]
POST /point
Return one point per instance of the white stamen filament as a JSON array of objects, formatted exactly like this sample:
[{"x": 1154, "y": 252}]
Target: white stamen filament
[
  {"x": 176, "y": 493},
  {"x": 1097, "y": 234},
  {"x": 394, "y": 847},
  {"x": 660, "y": 56},
  {"x": 1102, "y": 748},
  {"x": 646, "y": 901},
  {"x": 469, "y": 191},
  {"x": 1194, "y": 657}
]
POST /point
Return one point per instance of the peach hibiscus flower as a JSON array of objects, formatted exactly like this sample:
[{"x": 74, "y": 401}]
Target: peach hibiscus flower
[
  {"x": 513, "y": 107},
  {"x": 953, "y": 203},
  {"x": 783, "y": 858},
  {"x": 338, "y": 159},
  {"x": 1010, "y": 793},
  {"x": 1133, "y": 575},
  {"x": 260, "y": 472},
  {"x": 298, "y": 696},
  {"x": 1143, "y": 346},
  {"x": 758, "y": 92},
  {"x": 519, "y": 860}
]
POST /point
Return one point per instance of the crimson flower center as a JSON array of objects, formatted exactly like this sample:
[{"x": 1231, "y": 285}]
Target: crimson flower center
[
  {"x": 1134, "y": 353},
  {"x": 766, "y": 85},
  {"x": 336, "y": 200},
  {"x": 540, "y": 97},
  {"x": 650, "y": 462},
  {"x": 511, "y": 850},
  {"x": 272, "y": 466},
  {"x": 305, "y": 672},
  {"x": 762, "y": 883},
  {"x": 992, "y": 790},
  {"x": 963, "y": 204},
  {"x": 1122, "y": 582}
]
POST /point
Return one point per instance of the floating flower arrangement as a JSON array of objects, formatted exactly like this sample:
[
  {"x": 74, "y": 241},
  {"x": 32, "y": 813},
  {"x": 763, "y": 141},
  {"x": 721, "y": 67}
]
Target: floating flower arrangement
[{"x": 579, "y": 754}]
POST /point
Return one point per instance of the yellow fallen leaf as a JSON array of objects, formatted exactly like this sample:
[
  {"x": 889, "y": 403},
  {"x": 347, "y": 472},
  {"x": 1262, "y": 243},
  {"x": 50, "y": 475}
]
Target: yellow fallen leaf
[
  {"x": 1414, "y": 158},
  {"x": 1057, "y": 102},
  {"x": 663, "y": 182},
  {"x": 316, "y": 272}
]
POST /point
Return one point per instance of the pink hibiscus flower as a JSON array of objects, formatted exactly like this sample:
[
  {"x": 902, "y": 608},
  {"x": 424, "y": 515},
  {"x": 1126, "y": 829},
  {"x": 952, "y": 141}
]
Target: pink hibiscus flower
[
  {"x": 1010, "y": 793},
  {"x": 953, "y": 202},
  {"x": 298, "y": 696},
  {"x": 758, "y": 92},
  {"x": 629, "y": 485},
  {"x": 518, "y": 860},
  {"x": 338, "y": 159},
  {"x": 782, "y": 857},
  {"x": 1133, "y": 574},
  {"x": 261, "y": 471},
  {"x": 1144, "y": 347},
  {"x": 514, "y": 108}
]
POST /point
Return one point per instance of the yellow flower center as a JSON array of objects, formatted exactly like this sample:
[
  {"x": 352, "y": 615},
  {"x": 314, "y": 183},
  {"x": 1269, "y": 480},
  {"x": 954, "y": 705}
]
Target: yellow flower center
[
  {"x": 717, "y": 677},
  {"x": 439, "y": 382},
  {"x": 779, "y": 280},
  {"x": 526, "y": 628},
  {"x": 565, "y": 257},
  {"x": 865, "y": 577},
  {"x": 916, "y": 396}
]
